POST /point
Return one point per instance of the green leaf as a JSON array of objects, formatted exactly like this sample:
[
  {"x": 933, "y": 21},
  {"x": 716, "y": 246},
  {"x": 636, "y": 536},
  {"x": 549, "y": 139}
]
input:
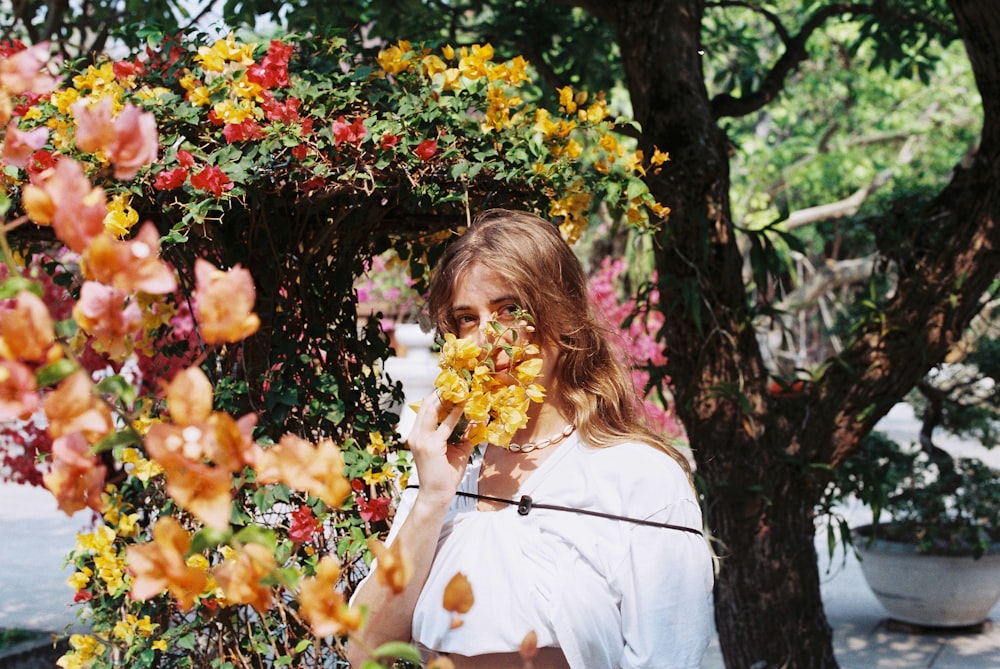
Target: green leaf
[
  {"x": 118, "y": 386},
  {"x": 51, "y": 374},
  {"x": 15, "y": 284},
  {"x": 256, "y": 534},
  {"x": 126, "y": 437},
  {"x": 398, "y": 650}
]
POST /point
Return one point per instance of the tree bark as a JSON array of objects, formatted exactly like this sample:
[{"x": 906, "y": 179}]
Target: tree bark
[{"x": 756, "y": 453}]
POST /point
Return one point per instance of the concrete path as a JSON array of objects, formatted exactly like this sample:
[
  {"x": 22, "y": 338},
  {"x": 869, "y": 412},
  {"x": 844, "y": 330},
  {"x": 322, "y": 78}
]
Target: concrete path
[{"x": 35, "y": 538}]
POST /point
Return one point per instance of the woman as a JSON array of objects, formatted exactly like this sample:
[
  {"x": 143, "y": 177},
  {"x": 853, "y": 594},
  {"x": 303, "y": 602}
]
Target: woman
[{"x": 588, "y": 536}]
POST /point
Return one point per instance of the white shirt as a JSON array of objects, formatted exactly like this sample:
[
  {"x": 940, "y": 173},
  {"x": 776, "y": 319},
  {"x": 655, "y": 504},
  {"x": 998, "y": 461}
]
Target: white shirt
[{"x": 610, "y": 593}]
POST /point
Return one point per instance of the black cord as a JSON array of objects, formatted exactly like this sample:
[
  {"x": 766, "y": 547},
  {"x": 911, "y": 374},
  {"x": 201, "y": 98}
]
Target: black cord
[{"x": 526, "y": 504}]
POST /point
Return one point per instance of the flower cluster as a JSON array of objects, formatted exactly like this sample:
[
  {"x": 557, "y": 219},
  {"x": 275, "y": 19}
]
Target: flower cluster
[
  {"x": 494, "y": 399},
  {"x": 292, "y": 159},
  {"x": 637, "y": 326}
]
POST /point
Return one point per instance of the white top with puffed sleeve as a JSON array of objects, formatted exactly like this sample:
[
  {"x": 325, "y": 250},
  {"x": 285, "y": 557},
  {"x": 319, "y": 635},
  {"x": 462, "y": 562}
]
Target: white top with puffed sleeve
[{"x": 610, "y": 593}]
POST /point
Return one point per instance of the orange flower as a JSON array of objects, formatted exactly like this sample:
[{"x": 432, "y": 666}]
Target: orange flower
[
  {"x": 19, "y": 396},
  {"x": 76, "y": 478},
  {"x": 224, "y": 303},
  {"x": 189, "y": 397},
  {"x": 203, "y": 489},
  {"x": 26, "y": 330},
  {"x": 241, "y": 576},
  {"x": 323, "y": 605},
  {"x": 73, "y": 407},
  {"x": 394, "y": 567},
  {"x": 110, "y": 317},
  {"x": 318, "y": 471},
  {"x": 134, "y": 265},
  {"x": 65, "y": 198},
  {"x": 458, "y": 596},
  {"x": 159, "y": 565}
]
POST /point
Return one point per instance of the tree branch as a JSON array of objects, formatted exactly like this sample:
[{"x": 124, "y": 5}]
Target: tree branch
[
  {"x": 832, "y": 275},
  {"x": 795, "y": 49},
  {"x": 846, "y": 207}
]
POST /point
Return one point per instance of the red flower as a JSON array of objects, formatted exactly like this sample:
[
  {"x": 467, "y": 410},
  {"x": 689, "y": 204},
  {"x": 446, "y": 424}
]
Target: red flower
[
  {"x": 184, "y": 158},
  {"x": 351, "y": 133},
  {"x": 272, "y": 71},
  {"x": 239, "y": 132},
  {"x": 170, "y": 179},
  {"x": 124, "y": 68},
  {"x": 300, "y": 151},
  {"x": 389, "y": 140},
  {"x": 275, "y": 110},
  {"x": 426, "y": 149},
  {"x": 374, "y": 511},
  {"x": 211, "y": 179},
  {"x": 39, "y": 161},
  {"x": 304, "y": 525}
]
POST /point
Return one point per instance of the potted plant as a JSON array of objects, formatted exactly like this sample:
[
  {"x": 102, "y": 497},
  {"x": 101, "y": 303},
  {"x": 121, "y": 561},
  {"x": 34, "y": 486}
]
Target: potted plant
[{"x": 932, "y": 552}]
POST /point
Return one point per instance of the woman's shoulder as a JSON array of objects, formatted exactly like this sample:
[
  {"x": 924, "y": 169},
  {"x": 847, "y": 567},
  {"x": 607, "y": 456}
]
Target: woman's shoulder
[{"x": 638, "y": 468}]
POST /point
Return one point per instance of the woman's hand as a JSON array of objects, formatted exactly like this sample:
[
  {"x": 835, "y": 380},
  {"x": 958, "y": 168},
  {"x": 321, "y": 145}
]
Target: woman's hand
[{"x": 440, "y": 465}]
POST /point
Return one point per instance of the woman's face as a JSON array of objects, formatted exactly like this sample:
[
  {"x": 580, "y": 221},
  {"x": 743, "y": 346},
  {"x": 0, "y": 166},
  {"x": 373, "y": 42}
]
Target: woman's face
[{"x": 482, "y": 295}]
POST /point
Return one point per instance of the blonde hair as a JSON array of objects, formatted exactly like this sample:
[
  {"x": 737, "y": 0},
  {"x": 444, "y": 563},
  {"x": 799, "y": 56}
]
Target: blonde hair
[{"x": 592, "y": 382}]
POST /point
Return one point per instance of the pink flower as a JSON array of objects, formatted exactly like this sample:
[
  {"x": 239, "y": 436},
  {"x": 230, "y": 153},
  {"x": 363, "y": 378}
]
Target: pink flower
[
  {"x": 95, "y": 129},
  {"x": 426, "y": 149},
  {"x": 19, "y": 145},
  {"x": 22, "y": 71},
  {"x": 212, "y": 179},
  {"x": 352, "y": 133},
  {"x": 135, "y": 143},
  {"x": 109, "y": 316}
]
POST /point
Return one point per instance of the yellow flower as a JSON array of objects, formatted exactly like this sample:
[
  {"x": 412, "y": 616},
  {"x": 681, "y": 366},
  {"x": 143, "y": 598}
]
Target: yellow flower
[
  {"x": 233, "y": 112},
  {"x": 396, "y": 58},
  {"x": 448, "y": 51},
  {"x": 566, "y": 100},
  {"x": 142, "y": 468},
  {"x": 224, "y": 51},
  {"x": 199, "y": 96},
  {"x": 473, "y": 63},
  {"x": 431, "y": 65},
  {"x": 160, "y": 645},
  {"x": 84, "y": 649},
  {"x": 246, "y": 89},
  {"x": 64, "y": 99},
  {"x": 659, "y": 157},
  {"x": 80, "y": 579},
  {"x": 121, "y": 216},
  {"x": 376, "y": 443},
  {"x": 371, "y": 477},
  {"x": 496, "y": 405},
  {"x": 189, "y": 82}
]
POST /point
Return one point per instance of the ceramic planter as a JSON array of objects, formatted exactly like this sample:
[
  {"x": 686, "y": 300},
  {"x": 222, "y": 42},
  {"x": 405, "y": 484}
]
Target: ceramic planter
[{"x": 929, "y": 590}]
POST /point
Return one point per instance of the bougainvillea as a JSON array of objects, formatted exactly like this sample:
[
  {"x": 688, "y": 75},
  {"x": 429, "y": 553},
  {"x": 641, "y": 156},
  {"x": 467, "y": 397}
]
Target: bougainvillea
[{"x": 203, "y": 382}]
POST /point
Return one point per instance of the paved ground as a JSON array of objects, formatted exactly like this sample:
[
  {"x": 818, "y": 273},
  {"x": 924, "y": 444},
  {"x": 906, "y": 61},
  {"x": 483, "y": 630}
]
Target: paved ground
[{"x": 35, "y": 537}]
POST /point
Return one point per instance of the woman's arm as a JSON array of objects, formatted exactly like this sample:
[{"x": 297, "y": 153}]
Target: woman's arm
[{"x": 440, "y": 467}]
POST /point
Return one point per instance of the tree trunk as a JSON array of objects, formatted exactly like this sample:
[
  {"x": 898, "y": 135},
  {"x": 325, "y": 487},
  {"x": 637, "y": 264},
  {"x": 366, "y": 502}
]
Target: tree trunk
[{"x": 755, "y": 453}]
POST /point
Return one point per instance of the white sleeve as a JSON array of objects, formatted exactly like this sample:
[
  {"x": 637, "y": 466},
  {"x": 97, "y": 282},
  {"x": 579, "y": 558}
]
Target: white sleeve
[{"x": 666, "y": 583}]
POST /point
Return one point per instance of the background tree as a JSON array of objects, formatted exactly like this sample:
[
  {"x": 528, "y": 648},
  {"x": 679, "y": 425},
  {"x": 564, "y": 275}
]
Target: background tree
[{"x": 760, "y": 456}]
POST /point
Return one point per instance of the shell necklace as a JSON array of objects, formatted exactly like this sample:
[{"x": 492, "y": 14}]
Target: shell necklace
[{"x": 544, "y": 443}]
